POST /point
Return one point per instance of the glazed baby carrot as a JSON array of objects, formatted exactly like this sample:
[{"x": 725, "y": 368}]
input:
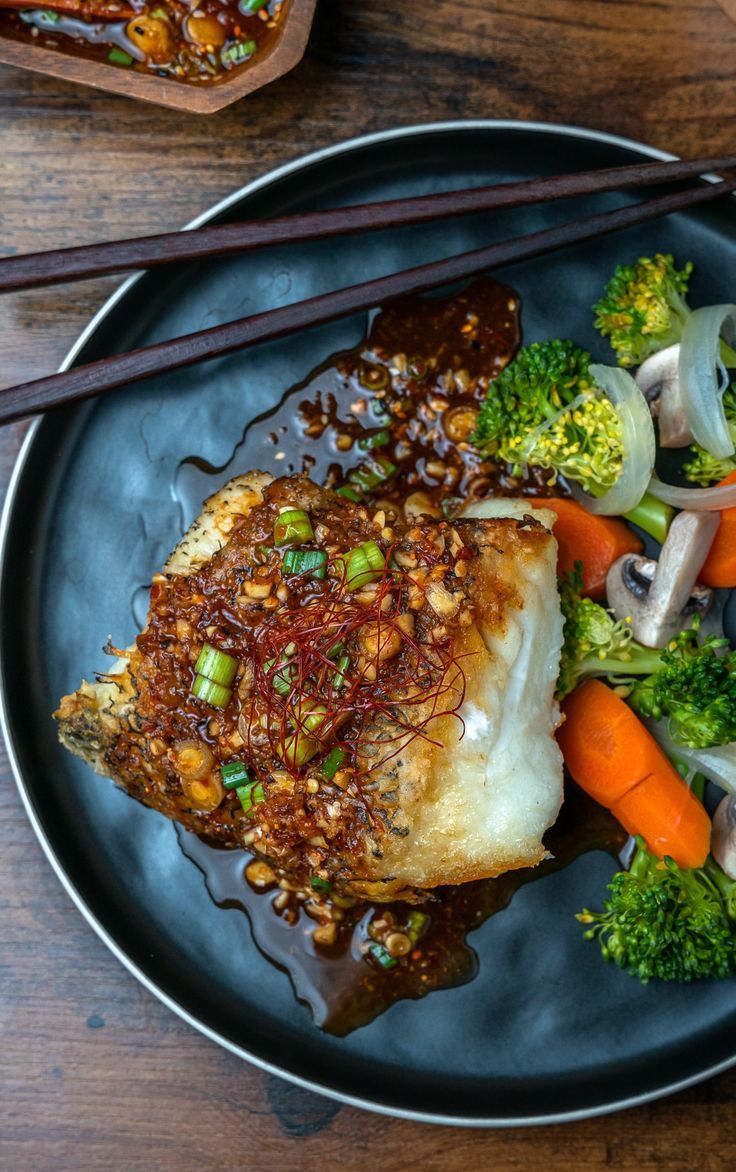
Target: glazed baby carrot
[
  {"x": 719, "y": 568},
  {"x": 613, "y": 758},
  {"x": 595, "y": 541}
]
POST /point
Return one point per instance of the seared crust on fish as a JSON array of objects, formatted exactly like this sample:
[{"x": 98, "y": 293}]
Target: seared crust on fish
[{"x": 430, "y": 683}]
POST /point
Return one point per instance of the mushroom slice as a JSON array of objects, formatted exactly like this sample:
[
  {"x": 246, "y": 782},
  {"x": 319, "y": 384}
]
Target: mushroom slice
[
  {"x": 660, "y": 596},
  {"x": 658, "y": 379},
  {"x": 723, "y": 836}
]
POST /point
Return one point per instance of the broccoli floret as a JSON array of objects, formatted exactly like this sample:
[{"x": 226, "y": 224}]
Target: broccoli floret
[
  {"x": 643, "y": 308},
  {"x": 706, "y": 469},
  {"x": 595, "y": 644},
  {"x": 665, "y": 922},
  {"x": 544, "y": 409},
  {"x": 695, "y": 689}
]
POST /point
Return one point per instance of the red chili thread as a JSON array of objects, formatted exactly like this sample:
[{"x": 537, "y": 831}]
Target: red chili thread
[{"x": 419, "y": 675}]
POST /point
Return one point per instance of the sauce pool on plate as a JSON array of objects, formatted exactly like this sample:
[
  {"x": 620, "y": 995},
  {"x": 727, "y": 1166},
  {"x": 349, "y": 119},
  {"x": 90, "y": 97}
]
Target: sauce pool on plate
[{"x": 391, "y": 418}]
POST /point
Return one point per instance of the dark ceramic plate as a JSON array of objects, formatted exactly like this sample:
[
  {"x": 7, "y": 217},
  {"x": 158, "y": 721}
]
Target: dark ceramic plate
[{"x": 546, "y": 1031}]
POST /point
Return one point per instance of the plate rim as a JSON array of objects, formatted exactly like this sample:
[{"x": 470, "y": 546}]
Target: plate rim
[{"x": 263, "y": 181}]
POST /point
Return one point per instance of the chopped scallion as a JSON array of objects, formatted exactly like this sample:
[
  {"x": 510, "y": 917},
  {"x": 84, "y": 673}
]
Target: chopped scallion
[
  {"x": 119, "y": 57},
  {"x": 319, "y": 884},
  {"x": 350, "y": 494},
  {"x": 379, "y": 439},
  {"x": 250, "y": 795},
  {"x": 211, "y": 692},
  {"x": 216, "y": 665},
  {"x": 238, "y": 51},
  {"x": 292, "y": 527},
  {"x": 362, "y": 565},
  {"x": 332, "y": 762},
  {"x": 339, "y": 679},
  {"x": 50, "y": 17},
  {"x": 310, "y": 716},
  {"x": 417, "y": 923},
  {"x": 250, "y": 7},
  {"x": 382, "y": 955},
  {"x": 312, "y": 562},
  {"x": 374, "y": 377},
  {"x": 281, "y": 679},
  {"x": 298, "y": 749},
  {"x": 235, "y": 774},
  {"x": 371, "y": 475}
]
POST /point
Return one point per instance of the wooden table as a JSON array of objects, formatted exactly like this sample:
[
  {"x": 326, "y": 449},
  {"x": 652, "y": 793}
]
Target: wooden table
[{"x": 96, "y": 1073}]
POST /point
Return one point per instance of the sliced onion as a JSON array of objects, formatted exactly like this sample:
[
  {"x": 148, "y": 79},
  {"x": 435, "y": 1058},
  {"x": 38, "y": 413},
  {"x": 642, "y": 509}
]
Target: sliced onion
[
  {"x": 718, "y": 763},
  {"x": 703, "y": 377},
  {"x": 638, "y": 444},
  {"x": 721, "y": 496}
]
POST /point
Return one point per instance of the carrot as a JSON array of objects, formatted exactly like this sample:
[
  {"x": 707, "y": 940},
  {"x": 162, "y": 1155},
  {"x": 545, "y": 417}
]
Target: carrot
[
  {"x": 594, "y": 541},
  {"x": 612, "y": 757},
  {"x": 719, "y": 568}
]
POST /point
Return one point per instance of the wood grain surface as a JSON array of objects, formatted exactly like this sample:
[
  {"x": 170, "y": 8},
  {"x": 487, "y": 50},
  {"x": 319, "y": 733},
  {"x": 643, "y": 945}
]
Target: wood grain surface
[{"x": 94, "y": 1072}]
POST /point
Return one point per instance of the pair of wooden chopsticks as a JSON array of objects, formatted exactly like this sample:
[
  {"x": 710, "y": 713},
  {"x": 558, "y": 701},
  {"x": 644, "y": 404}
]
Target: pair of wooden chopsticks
[{"x": 24, "y": 272}]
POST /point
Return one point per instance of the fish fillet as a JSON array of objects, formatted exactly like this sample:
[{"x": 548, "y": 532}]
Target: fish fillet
[{"x": 469, "y": 793}]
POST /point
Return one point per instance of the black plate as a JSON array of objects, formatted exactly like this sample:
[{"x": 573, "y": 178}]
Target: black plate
[{"x": 546, "y": 1031}]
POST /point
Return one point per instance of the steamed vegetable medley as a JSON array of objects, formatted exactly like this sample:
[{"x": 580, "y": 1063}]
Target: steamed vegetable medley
[{"x": 647, "y": 683}]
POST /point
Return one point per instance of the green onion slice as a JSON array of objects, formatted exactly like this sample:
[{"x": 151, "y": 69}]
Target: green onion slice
[
  {"x": 216, "y": 665},
  {"x": 371, "y": 475},
  {"x": 310, "y": 716},
  {"x": 350, "y": 494},
  {"x": 301, "y": 746},
  {"x": 382, "y": 955},
  {"x": 292, "y": 527},
  {"x": 210, "y": 692},
  {"x": 52, "y": 17},
  {"x": 282, "y": 679},
  {"x": 378, "y": 439},
  {"x": 312, "y": 562},
  {"x": 119, "y": 57},
  {"x": 250, "y": 7},
  {"x": 250, "y": 795},
  {"x": 319, "y": 884},
  {"x": 417, "y": 923},
  {"x": 376, "y": 378},
  {"x": 298, "y": 749},
  {"x": 362, "y": 565},
  {"x": 332, "y": 762},
  {"x": 235, "y": 774},
  {"x": 339, "y": 679},
  {"x": 239, "y": 51}
]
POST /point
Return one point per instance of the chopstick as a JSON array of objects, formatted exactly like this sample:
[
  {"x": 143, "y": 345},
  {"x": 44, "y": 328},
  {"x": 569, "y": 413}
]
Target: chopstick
[
  {"x": 106, "y": 374},
  {"x": 94, "y": 260}
]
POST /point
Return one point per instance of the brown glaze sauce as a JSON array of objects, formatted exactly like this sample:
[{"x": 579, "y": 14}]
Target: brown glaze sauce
[
  {"x": 421, "y": 373},
  {"x": 409, "y": 395},
  {"x": 344, "y": 988}
]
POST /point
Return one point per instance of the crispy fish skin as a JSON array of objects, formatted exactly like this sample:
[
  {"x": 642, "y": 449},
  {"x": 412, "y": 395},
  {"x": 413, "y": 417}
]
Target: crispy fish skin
[{"x": 445, "y": 810}]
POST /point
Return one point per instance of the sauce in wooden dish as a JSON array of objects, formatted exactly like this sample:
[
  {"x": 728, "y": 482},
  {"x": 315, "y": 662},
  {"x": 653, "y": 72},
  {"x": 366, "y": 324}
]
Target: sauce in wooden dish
[{"x": 195, "y": 41}]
